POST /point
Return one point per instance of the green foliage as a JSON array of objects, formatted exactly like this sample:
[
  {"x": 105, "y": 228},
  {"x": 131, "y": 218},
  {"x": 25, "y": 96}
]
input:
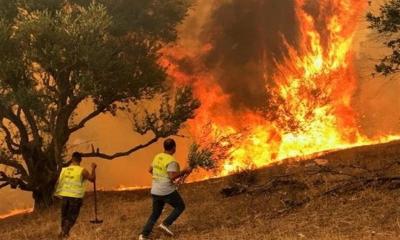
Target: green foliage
[
  {"x": 387, "y": 24},
  {"x": 212, "y": 148},
  {"x": 201, "y": 157},
  {"x": 151, "y": 17},
  {"x": 56, "y": 54},
  {"x": 168, "y": 119}
]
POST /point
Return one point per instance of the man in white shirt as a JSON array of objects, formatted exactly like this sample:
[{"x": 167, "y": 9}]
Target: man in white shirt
[{"x": 165, "y": 170}]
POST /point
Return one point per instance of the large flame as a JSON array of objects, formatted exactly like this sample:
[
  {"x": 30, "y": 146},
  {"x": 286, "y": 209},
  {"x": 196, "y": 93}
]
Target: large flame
[{"x": 308, "y": 109}]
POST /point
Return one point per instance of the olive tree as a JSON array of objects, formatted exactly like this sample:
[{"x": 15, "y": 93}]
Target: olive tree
[
  {"x": 386, "y": 22},
  {"x": 56, "y": 55}
]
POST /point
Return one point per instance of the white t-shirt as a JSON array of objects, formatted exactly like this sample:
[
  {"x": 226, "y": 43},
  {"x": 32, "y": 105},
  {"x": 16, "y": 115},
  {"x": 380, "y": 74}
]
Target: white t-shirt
[{"x": 162, "y": 187}]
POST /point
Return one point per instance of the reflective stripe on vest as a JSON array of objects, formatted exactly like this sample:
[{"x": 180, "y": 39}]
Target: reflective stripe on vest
[
  {"x": 160, "y": 165},
  {"x": 71, "y": 183}
]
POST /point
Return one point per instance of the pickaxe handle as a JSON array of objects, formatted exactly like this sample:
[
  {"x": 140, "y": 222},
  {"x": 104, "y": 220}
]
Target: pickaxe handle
[
  {"x": 95, "y": 199},
  {"x": 96, "y": 220}
]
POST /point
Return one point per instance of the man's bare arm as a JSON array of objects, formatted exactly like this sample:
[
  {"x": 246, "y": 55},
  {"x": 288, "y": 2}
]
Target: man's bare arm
[
  {"x": 90, "y": 176},
  {"x": 175, "y": 175}
]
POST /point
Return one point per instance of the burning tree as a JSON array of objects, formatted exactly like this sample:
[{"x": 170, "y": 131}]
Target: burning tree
[
  {"x": 387, "y": 24},
  {"x": 57, "y": 55},
  {"x": 306, "y": 87},
  {"x": 212, "y": 148}
]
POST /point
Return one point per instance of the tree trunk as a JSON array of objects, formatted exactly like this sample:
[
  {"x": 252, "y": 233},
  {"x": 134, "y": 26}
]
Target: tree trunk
[
  {"x": 44, "y": 177},
  {"x": 43, "y": 196}
]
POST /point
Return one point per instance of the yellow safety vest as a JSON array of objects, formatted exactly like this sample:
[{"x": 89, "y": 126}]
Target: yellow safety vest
[
  {"x": 71, "y": 182},
  {"x": 160, "y": 164}
]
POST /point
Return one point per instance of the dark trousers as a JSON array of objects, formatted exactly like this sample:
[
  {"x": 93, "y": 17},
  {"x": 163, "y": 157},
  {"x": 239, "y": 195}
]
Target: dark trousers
[
  {"x": 173, "y": 199},
  {"x": 70, "y": 208}
]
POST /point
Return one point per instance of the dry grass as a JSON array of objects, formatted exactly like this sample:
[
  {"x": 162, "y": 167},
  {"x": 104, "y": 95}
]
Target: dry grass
[{"x": 370, "y": 213}]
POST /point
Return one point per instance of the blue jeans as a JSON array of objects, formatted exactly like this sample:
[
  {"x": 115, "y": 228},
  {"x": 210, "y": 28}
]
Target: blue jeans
[{"x": 173, "y": 199}]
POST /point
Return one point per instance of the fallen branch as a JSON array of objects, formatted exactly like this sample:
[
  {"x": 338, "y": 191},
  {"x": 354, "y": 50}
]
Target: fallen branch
[
  {"x": 298, "y": 187},
  {"x": 358, "y": 184}
]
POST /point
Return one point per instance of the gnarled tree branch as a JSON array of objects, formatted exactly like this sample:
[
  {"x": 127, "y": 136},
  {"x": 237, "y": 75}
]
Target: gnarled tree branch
[
  {"x": 13, "y": 182},
  {"x": 13, "y": 147},
  {"x": 16, "y": 165},
  {"x": 5, "y": 184},
  {"x": 9, "y": 114},
  {"x": 33, "y": 126},
  {"x": 97, "y": 153},
  {"x": 86, "y": 119}
]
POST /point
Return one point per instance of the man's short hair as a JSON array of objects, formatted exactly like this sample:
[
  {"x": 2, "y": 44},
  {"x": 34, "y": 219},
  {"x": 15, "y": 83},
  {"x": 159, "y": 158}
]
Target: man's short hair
[
  {"x": 77, "y": 157},
  {"x": 169, "y": 144}
]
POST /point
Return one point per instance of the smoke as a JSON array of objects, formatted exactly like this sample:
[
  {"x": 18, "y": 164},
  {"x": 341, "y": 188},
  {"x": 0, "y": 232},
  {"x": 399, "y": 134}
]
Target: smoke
[
  {"x": 239, "y": 43},
  {"x": 376, "y": 99},
  {"x": 247, "y": 38}
]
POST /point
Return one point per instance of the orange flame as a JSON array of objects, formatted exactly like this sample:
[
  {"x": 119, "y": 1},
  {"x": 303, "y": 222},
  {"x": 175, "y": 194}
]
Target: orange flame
[
  {"x": 310, "y": 100},
  {"x": 16, "y": 212},
  {"x": 122, "y": 188}
]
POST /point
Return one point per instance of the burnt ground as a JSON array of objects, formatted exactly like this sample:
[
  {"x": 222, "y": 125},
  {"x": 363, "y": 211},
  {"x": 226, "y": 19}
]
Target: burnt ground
[{"x": 346, "y": 194}]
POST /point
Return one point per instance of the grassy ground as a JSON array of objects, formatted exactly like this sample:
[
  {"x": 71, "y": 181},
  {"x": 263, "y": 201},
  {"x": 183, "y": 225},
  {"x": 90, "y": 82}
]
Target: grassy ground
[{"x": 286, "y": 211}]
